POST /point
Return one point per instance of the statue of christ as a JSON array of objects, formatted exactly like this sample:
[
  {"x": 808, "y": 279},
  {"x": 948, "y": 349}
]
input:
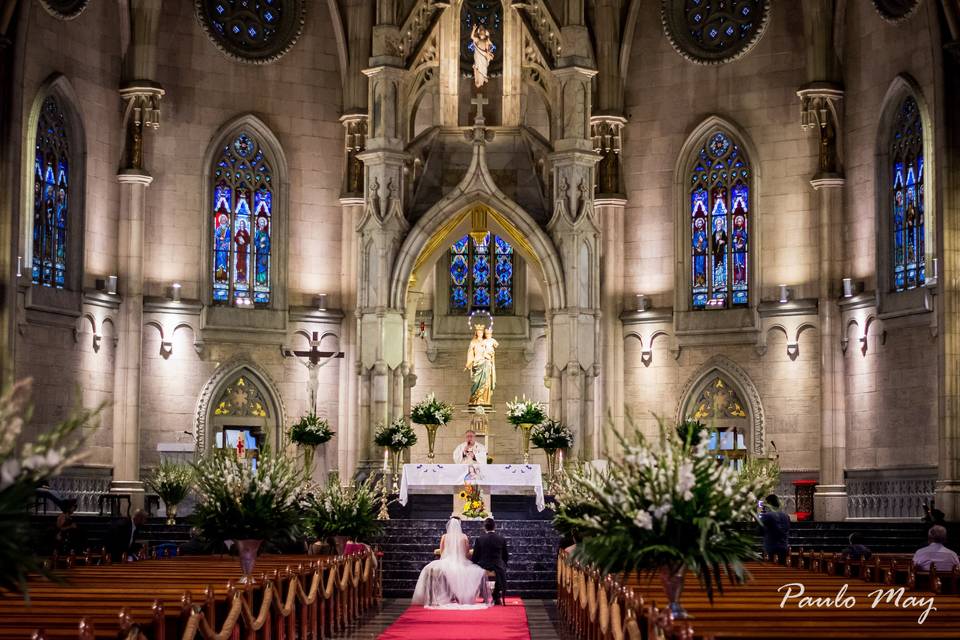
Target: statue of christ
[{"x": 482, "y": 54}]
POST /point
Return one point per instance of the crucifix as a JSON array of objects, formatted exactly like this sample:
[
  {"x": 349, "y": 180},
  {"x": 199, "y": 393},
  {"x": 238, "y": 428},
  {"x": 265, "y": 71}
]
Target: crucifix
[
  {"x": 314, "y": 360},
  {"x": 479, "y": 101}
]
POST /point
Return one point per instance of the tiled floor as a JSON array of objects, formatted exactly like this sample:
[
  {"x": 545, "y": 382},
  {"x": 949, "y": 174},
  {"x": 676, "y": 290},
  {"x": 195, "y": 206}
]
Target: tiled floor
[{"x": 541, "y": 616}]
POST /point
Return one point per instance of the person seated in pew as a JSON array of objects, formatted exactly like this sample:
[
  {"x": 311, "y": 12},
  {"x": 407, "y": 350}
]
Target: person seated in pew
[
  {"x": 69, "y": 536},
  {"x": 195, "y": 546},
  {"x": 856, "y": 549},
  {"x": 122, "y": 538},
  {"x": 776, "y": 530},
  {"x": 936, "y": 553}
]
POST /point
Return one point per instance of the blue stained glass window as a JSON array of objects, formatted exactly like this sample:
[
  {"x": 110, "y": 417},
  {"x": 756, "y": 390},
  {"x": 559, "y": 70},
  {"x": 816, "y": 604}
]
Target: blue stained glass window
[
  {"x": 907, "y": 201},
  {"x": 242, "y": 225},
  {"x": 481, "y": 275},
  {"x": 719, "y": 225},
  {"x": 51, "y": 197}
]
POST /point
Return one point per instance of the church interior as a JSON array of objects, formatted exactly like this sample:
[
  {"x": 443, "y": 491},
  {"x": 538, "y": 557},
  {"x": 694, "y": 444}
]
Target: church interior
[{"x": 227, "y": 223}]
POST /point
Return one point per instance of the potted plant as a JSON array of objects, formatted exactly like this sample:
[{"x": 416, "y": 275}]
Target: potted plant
[
  {"x": 172, "y": 482},
  {"x": 432, "y": 414},
  {"x": 344, "y": 513},
  {"x": 24, "y": 469},
  {"x": 666, "y": 508},
  {"x": 552, "y": 436},
  {"x": 525, "y": 414},
  {"x": 309, "y": 432},
  {"x": 247, "y": 503},
  {"x": 396, "y": 436}
]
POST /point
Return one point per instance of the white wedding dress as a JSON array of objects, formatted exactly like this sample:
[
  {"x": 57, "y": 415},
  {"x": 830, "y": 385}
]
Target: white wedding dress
[{"x": 453, "y": 581}]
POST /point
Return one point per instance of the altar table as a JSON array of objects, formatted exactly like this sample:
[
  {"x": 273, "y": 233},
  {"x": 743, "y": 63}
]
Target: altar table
[{"x": 491, "y": 478}]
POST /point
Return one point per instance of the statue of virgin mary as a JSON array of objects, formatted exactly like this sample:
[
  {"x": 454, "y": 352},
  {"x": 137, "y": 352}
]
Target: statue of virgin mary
[{"x": 481, "y": 363}]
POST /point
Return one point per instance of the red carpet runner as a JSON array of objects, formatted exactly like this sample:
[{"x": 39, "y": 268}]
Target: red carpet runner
[{"x": 494, "y": 623}]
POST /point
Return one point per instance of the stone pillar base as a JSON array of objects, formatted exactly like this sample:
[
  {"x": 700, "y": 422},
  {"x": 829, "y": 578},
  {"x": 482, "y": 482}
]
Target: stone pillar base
[
  {"x": 830, "y": 503},
  {"x": 947, "y": 498}
]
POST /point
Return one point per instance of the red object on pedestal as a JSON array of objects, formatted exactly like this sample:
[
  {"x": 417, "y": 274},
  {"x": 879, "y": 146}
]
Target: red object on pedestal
[{"x": 803, "y": 493}]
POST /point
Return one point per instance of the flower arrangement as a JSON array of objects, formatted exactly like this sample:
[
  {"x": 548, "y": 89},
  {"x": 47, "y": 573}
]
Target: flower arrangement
[
  {"x": 336, "y": 510},
  {"x": 240, "y": 501},
  {"x": 761, "y": 470},
  {"x": 397, "y": 435},
  {"x": 551, "y": 436},
  {"x": 23, "y": 470},
  {"x": 472, "y": 502},
  {"x": 666, "y": 506},
  {"x": 525, "y": 412},
  {"x": 172, "y": 482},
  {"x": 431, "y": 411},
  {"x": 310, "y": 431}
]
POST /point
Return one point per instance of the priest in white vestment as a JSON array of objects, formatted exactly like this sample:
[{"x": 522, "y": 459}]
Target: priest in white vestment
[{"x": 470, "y": 451}]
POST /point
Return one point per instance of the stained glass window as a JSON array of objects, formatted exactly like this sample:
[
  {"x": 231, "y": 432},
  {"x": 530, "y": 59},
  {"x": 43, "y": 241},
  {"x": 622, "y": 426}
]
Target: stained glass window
[
  {"x": 488, "y": 13},
  {"x": 719, "y": 209},
  {"x": 252, "y": 30},
  {"x": 906, "y": 157},
  {"x": 481, "y": 274},
  {"x": 714, "y": 31},
  {"x": 51, "y": 197},
  {"x": 242, "y": 224}
]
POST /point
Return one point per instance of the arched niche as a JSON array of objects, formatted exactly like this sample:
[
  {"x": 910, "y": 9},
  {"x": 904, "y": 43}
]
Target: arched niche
[
  {"x": 723, "y": 397},
  {"x": 239, "y": 398}
]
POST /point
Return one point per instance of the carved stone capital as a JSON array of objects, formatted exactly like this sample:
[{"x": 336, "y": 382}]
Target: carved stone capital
[
  {"x": 820, "y": 104},
  {"x": 141, "y": 111}
]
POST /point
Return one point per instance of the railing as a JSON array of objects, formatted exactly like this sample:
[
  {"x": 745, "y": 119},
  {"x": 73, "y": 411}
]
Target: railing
[
  {"x": 84, "y": 487},
  {"x": 889, "y": 498}
]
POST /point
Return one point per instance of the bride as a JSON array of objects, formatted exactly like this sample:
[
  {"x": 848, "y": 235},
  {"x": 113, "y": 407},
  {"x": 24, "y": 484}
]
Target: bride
[{"x": 453, "y": 581}]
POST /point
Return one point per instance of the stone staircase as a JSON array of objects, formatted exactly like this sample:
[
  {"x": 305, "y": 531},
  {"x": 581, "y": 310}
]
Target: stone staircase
[{"x": 408, "y": 546}]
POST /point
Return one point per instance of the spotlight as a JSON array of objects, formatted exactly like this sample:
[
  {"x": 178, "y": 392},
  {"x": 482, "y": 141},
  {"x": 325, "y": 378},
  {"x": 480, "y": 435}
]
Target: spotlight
[
  {"x": 320, "y": 301},
  {"x": 175, "y": 292},
  {"x": 643, "y": 302},
  {"x": 848, "y": 287},
  {"x": 785, "y": 294}
]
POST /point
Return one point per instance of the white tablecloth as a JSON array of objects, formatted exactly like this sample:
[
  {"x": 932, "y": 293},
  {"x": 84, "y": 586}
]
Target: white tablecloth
[{"x": 494, "y": 478}]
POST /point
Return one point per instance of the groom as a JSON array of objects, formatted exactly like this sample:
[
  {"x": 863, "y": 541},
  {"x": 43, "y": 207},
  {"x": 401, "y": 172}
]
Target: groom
[{"x": 490, "y": 552}]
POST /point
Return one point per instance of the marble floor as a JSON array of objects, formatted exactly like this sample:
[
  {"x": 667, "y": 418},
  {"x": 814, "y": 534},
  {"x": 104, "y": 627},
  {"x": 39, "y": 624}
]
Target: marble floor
[{"x": 541, "y": 617}]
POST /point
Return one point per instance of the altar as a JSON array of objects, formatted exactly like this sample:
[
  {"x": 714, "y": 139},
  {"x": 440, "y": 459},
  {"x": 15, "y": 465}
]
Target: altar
[{"x": 510, "y": 479}]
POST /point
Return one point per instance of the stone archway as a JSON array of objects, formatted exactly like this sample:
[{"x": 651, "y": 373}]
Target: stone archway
[
  {"x": 240, "y": 395},
  {"x": 734, "y": 401}
]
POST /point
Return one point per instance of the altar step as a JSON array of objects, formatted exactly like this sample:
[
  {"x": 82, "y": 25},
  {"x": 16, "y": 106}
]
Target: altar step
[{"x": 408, "y": 545}]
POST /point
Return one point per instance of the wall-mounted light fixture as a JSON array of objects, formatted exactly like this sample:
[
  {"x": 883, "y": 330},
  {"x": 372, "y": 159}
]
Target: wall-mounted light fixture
[
  {"x": 848, "y": 287},
  {"x": 643, "y": 302},
  {"x": 785, "y": 294},
  {"x": 19, "y": 266},
  {"x": 175, "y": 291},
  {"x": 320, "y": 301},
  {"x": 107, "y": 285},
  {"x": 933, "y": 277}
]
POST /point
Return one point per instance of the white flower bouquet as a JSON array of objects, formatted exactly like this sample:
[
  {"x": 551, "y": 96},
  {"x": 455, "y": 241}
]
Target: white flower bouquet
[
  {"x": 310, "y": 431},
  {"x": 240, "y": 502},
  {"x": 396, "y": 436},
  {"x": 431, "y": 411},
  {"x": 665, "y": 506},
  {"x": 551, "y": 436},
  {"x": 525, "y": 412}
]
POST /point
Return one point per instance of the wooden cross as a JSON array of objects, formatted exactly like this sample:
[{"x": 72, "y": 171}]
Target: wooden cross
[
  {"x": 315, "y": 360},
  {"x": 479, "y": 101}
]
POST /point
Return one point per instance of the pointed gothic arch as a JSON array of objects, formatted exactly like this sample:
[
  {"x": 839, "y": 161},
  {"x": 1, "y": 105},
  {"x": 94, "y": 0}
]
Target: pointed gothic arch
[
  {"x": 261, "y": 410},
  {"x": 58, "y": 92},
  {"x": 267, "y": 143},
  {"x": 739, "y": 382}
]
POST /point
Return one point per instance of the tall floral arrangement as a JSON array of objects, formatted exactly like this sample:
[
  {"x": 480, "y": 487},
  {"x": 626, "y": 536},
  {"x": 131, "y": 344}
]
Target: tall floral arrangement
[
  {"x": 551, "y": 436},
  {"x": 525, "y": 412},
  {"x": 472, "y": 498},
  {"x": 397, "y": 435},
  {"x": 336, "y": 510},
  {"x": 667, "y": 506},
  {"x": 172, "y": 482},
  {"x": 23, "y": 469},
  {"x": 431, "y": 411},
  {"x": 310, "y": 431},
  {"x": 242, "y": 501}
]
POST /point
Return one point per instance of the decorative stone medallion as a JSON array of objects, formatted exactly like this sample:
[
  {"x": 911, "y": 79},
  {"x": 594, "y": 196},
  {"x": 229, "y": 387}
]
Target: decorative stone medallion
[
  {"x": 254, "y": 31},
  {"x": 64, "y": 9},
  {"x": 896, "y": 10},
  {"x": 714, "y": 31}
]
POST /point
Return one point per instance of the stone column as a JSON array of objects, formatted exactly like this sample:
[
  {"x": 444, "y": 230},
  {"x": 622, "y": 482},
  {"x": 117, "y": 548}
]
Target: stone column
[
  {"x": 142, "y": 112},
  {"x": 354, "y": 442},
  {"x": 948, "y": 287},
  {"x": 9, "y": 173},
  {"x": 820, "y": 103},
  {"x": 610, "y": 411}
]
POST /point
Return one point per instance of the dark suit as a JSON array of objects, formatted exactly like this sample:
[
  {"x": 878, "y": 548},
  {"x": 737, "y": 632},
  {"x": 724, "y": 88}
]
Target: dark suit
[{"x": 490, "y": 552}]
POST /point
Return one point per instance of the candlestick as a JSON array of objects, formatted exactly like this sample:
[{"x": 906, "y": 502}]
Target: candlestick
[{"x": 384, "y": 460}]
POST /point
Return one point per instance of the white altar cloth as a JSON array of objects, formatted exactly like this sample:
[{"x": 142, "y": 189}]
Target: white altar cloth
[{"x": 493, "y": 478}]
